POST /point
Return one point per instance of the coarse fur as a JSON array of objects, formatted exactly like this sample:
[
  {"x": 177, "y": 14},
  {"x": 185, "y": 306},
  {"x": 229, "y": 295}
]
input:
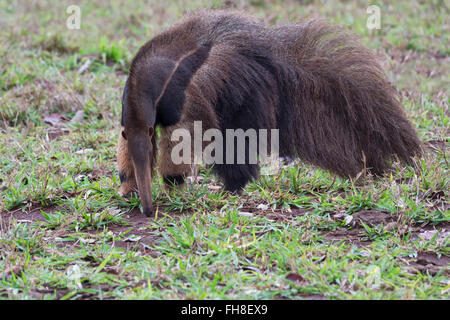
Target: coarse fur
[{"x": 323, "y": 90}]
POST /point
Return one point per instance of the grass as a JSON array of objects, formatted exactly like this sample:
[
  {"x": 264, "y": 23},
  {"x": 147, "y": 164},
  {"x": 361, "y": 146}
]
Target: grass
[{"x": 65, "y": 233}]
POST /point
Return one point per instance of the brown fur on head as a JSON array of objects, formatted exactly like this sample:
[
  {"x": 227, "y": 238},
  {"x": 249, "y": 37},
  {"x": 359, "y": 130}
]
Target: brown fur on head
[{"x": 125, "y": 168}]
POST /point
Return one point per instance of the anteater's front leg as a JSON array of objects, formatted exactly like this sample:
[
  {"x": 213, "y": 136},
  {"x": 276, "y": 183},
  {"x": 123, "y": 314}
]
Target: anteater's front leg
[
  {"x": 173, "y": 173},
  {"x": 125, "y": 167}
]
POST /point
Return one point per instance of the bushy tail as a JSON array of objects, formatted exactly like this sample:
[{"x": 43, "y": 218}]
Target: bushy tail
[{"x": 344, "y": 114}]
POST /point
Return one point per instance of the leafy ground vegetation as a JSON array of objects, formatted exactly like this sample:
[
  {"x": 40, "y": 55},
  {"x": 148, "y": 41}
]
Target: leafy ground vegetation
[{"x": 65, "y": 233}]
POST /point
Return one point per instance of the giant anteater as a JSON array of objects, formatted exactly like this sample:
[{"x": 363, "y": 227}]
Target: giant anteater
[{"x": 323, "y": 90}]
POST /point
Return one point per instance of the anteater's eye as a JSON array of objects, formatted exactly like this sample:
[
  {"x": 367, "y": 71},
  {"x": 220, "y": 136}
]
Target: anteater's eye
[
  {"x": 124, "y": 135},
  {"x": 122, "y": 177}
]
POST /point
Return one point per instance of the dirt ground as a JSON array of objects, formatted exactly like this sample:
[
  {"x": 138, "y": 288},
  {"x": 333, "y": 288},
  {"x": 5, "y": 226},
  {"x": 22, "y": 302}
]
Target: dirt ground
[{"x": 138, "y": 236}]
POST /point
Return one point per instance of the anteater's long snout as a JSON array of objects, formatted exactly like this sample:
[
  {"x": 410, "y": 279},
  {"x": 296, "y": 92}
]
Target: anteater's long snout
[
  {"x": 141, "y": 154},
  {"x": 144, "y": 182}
]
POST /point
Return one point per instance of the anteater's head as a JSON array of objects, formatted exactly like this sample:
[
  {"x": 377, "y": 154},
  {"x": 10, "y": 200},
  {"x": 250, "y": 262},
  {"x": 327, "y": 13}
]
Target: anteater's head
[{"x": 154, "y": 94}]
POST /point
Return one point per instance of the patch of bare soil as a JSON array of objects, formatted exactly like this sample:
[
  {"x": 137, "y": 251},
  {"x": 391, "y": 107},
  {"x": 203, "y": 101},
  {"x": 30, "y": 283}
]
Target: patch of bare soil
[
  {"x": 373, "y": 218},
  {"x": 276, "y": 215},
  {"x": 25, "y": 215},
  {"x": 352, "y": 236},
  {"x": 136, "y": 232},
  {"x": 440, "y": 233},
  {"x": 355, "y": 235},
  {"x": 286, "y": 215},
  {"x": 390, "y": 222},
  {"x": 424, "y": 262},
  {"x": 429, "y": 262}
]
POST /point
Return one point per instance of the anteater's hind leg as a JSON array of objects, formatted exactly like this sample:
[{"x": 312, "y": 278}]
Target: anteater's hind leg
[
  {"x": 243, "y": 168},
  {"x": 236, "y": 176},
  {"x": 125, "y": 168}
]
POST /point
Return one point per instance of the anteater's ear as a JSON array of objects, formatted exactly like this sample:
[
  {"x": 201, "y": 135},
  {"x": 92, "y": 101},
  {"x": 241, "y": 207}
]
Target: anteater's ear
[{"x": 169, "y": 106}]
